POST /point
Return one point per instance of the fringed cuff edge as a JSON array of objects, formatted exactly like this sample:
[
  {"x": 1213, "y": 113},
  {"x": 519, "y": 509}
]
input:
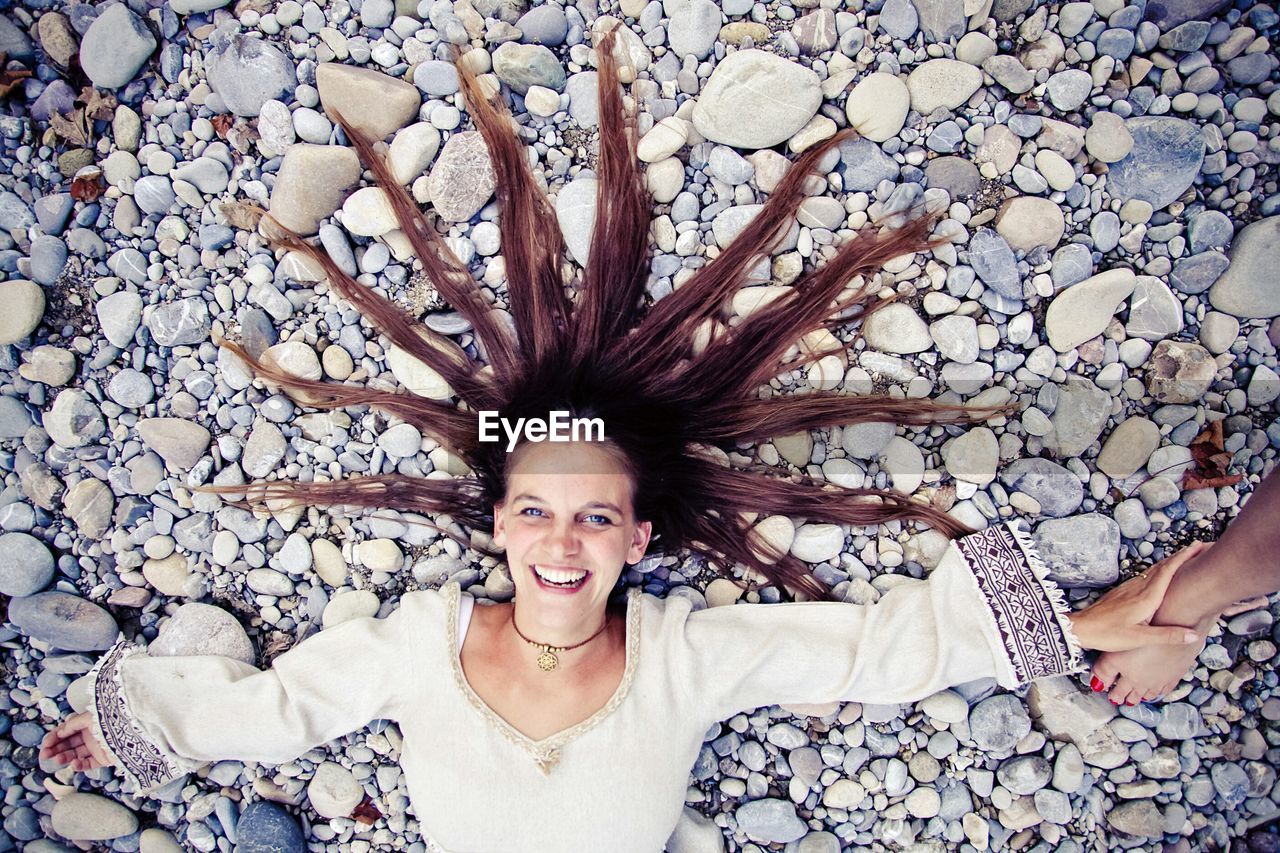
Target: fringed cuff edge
[
  {"x": 1030, "y": 610},
  {"x": 144, "y": 764}
]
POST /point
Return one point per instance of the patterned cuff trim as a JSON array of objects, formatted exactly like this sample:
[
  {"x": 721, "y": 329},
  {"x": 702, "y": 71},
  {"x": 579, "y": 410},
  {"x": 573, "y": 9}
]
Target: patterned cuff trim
[
  {"x": 1030, "y": 610},
  {"x": 144, "y": 764}
]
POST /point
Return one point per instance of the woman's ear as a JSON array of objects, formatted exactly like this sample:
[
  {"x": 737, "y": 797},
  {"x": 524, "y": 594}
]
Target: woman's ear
[
  {"x": 639, "y": 542},
  {"x": 499, "y": 527}
]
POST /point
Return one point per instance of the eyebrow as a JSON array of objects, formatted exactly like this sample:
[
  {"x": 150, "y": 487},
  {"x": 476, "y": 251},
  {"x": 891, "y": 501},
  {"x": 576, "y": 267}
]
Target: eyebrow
[{"x": 592, "y": 505}]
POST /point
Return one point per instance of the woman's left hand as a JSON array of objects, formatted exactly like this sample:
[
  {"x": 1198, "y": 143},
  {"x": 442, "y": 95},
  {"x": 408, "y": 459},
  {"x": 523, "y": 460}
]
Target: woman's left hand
[{"x": 1121, "y": 619}]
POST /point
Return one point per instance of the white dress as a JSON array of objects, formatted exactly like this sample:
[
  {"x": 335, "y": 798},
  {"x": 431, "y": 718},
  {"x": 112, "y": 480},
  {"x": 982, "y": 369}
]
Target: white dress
[{"x": 617, "y": 780}]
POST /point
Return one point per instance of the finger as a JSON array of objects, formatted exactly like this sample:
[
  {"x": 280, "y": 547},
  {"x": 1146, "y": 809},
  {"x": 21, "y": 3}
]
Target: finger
[
  {"x": 1106, "y": 672},
  {"x": 1170, "y": 565},
  {"x": 76, "y": 723},
  {"x": 1245, "y": 606},
  {"x": 1161, "y": 575},
  {"x": 1160, "y": 635},
  {"x": 98, "y": 753}
]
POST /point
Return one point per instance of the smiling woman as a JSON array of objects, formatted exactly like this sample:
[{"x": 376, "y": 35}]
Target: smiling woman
[{"x": 578, "y": 711}]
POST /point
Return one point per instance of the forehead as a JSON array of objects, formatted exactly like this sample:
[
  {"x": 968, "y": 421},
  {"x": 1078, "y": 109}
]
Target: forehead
[{"x": 574, "y": 469}]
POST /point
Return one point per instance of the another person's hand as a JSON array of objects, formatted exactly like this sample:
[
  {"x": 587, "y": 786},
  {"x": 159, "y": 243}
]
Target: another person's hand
[
  {"x": 1121, "y": 619},
  {"x": 72, "y": 743}
]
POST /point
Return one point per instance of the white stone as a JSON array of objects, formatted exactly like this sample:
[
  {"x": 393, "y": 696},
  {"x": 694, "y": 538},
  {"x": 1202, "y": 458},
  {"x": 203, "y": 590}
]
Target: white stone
[
  {"x": 347, "y": 605},
  {"x": 24, "y": 308},
  {"x": 541, "y": 101},
  {"x": 972, "y": 457},
  {"x": 877, "y": 107},
  {"x": 663, "y": 139},
  {"x": 328, "y": 562},
  {"x": 412, "y": 150},
  {"x": 333, "y": 791},
  {"x": 904, "y": 463},
  {"x": 1264, "y": 386},
  {"x": 1083, "y": 310},
  {"x": 380, "y": 555},
  {"x": 743, "y": 103},
  {"x": 416, "y": 375},
  {"x": 168, "y": 576},
  {"x": 665, "y": 179},
  {"x": 748, "y": 300},
  {"x": 942, "y": 83},
  {"x": 956, "y": 337},
  {"x": 269, "y": 582},
  {"x": 575, "y": 206},
  {"x": 896, "y": 328},
  {"x": 79, "y": 816},
  {"x": 1026, "y": 222},
  {"x": 367, "y": 212},
  {"x": 843, "y": 794},
  {"x": 776, "y": 530},
  {"x": 1055, "y": 169},
  {"x": 946, "y": 706}
]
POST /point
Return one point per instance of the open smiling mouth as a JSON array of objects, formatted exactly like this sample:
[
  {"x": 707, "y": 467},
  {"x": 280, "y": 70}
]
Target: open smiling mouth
[{"x": 561, "y": 578}]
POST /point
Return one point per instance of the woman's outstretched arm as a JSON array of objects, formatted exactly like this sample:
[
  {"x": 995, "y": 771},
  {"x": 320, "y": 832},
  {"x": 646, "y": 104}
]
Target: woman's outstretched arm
[
  {"x": 987, "y": 611},
  {"x": 157, "y": 718},
  {"x": 1243, "y": 564}
]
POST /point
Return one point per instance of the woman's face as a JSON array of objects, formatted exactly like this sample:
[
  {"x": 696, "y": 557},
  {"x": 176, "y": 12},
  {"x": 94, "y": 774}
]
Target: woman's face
[{"x": 568, "y": 517}]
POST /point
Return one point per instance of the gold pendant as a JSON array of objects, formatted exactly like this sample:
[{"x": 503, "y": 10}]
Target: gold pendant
[{"x": 547, "y": 661}]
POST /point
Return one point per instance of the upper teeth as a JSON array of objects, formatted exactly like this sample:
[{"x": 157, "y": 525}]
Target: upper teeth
[{"x": 559, "y": 575}]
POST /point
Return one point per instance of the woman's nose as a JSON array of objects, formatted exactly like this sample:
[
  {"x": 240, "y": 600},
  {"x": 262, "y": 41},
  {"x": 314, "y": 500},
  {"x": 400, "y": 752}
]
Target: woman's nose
[{"x": 564, "y": 537}]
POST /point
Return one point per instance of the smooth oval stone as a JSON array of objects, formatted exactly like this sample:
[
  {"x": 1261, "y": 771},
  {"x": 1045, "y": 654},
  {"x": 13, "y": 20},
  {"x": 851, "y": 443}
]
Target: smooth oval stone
[
  {"x": 26, "y": 566},
  {"x": 1248, "y": 288},
  {"x": 738, "y": 105},
  {"x": 64, "y": 621},
  {"x": 91, "y": 817}
]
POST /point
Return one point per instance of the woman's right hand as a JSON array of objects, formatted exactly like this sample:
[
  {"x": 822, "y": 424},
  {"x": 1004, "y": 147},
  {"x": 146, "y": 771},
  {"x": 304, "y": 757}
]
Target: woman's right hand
[{"x": 72, "y": 743}]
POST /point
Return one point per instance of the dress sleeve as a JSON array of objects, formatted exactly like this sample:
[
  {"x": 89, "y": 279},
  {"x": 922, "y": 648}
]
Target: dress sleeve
[
  {"x": 162, "y": 717},
  {"x": 987, "y": 611}
]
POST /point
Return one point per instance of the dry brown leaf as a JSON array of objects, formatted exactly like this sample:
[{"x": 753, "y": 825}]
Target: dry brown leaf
[
  {"x": 10, "y": 79},
  {"x": 222, "y": 123},
  {"x": 241, "y": 215},
  {"x": 87, "y": 185},
  {"x": 72, "y": 127},
  {"x": 1211, "y": 461},
  {"x": 366, "y": 813},
  {"x": 98, "y": 105}
]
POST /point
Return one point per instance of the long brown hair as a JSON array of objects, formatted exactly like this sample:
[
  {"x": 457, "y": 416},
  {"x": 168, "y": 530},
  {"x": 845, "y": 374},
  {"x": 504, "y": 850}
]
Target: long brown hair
[{"x": 675, "y": 388}]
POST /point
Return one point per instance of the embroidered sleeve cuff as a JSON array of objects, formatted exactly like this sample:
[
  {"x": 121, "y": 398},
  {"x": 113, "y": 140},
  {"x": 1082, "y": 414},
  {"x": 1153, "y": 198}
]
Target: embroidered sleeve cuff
[
  {"x": 1030, "y": 612},
  {"x": 144, "y": 763}
]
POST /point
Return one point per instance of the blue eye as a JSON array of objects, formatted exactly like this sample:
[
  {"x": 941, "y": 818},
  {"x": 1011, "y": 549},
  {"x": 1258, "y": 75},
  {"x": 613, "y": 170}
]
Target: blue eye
[
  {"x": 603, "y": 519},
  {"x": 529, "y": 509}
]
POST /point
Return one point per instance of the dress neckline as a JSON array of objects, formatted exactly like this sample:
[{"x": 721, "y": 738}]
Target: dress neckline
[{"x": 546, "y": 751}]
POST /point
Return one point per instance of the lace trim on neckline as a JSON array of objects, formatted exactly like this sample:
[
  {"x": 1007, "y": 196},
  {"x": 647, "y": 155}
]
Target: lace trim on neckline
[{"x": 545, "y": 752}]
